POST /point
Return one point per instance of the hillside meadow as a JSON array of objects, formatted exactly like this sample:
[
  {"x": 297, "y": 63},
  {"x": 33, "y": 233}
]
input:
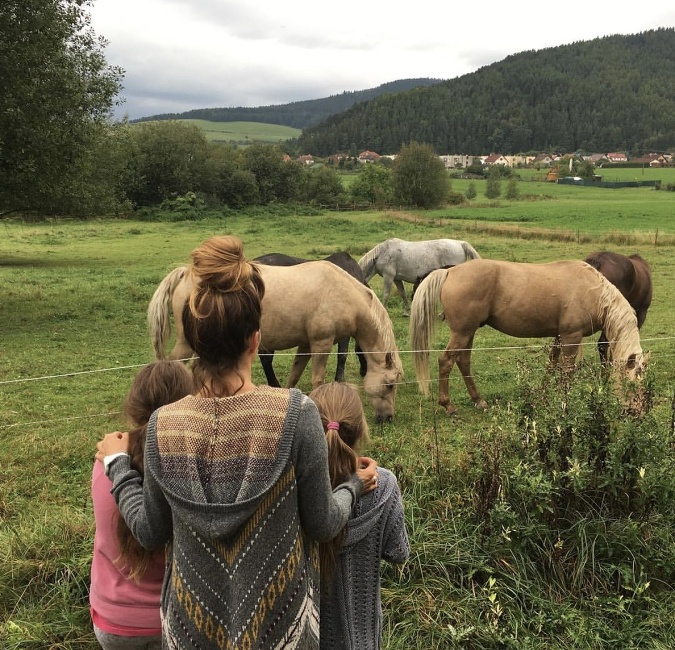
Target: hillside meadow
[{"x": 518, "y": 539}]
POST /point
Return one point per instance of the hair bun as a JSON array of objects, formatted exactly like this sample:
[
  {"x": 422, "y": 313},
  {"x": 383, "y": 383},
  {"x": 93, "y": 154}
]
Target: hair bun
[{"x": 219, "y": 264}]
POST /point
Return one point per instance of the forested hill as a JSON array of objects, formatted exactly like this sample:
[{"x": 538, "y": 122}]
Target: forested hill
[
  {"x": 299, "y": 115},
  {"x": 608, "y": 94}
]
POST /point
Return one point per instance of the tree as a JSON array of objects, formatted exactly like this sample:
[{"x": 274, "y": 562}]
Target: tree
[
  {"x": 512, "y": 188},
  {"x": 493, "y": 189},
  {"x": 471, "y": 191},
  {"x": 278, "y": 180},
  {"x": 373, "y": 185},
  {"x": 57, "y": 95},
  {"x": 322, "y": 186},
  {"x": 419, "y": 177},
  {"x": 167, "y": 160}
]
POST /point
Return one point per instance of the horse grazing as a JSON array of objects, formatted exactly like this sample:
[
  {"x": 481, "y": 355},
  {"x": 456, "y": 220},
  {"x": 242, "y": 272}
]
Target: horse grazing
[
  {"x": 632, "y": 277},
  {"x": 346, "y": 262},
  {"x": 569, "y": 299},
  {"x": 309, "y": 306},
  {"x": 399, "y": 261}
]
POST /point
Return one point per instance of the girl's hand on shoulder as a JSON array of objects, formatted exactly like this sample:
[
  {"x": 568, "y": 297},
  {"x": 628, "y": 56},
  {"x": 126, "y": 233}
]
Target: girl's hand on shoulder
[
  {"x": 367, "y": 472},
  {"x": 112, "y": 443}
]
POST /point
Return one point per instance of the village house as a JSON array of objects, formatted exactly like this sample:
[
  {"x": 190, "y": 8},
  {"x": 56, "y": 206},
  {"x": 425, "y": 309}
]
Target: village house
[
  {"x": 616, "y": 157},
  {"x": 459, "y": 161},
  {"x": 495, "y": 159},
  {"x": 368, "y": 156},
  {"x": 650, "y": 160},
  {"x": 306, "y": 160}
]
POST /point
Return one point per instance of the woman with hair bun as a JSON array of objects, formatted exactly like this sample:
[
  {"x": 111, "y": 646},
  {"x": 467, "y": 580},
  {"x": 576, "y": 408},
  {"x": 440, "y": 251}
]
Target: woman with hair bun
[{"x": 236, "y": 477}]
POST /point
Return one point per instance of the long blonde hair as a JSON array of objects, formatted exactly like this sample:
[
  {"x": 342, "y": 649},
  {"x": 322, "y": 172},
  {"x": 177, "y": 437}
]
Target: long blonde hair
[{"x": 346, "y": 428}]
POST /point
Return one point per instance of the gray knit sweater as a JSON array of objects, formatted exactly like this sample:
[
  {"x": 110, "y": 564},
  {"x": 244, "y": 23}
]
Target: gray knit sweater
[
  {"x": 240, "y": 486},
  {"x": 351, "y": 611}
]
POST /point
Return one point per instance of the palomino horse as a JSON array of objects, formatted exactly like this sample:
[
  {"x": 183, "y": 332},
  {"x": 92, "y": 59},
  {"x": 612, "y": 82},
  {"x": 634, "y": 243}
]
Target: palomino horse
[
  {"x": 399, "y": 261},
  {"x": 346, "y": 262},
  {"x": 632, "y": 277},
  {"x": 309, "y": 306},
  {"x": 569, "y": 299}
]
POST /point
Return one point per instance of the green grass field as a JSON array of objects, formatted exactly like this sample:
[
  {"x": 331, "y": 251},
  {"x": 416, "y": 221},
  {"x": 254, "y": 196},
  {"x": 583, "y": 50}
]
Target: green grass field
[
  {"x": 244, "y": 132},
  {"x": 73, "y": 306}
]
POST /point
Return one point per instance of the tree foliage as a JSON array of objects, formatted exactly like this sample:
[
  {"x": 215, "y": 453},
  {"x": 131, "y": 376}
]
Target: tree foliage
[
  {"x": 57, "y": 93},
  {"x": 419, "y": 178},
  {"x": 373, "y": 185}
]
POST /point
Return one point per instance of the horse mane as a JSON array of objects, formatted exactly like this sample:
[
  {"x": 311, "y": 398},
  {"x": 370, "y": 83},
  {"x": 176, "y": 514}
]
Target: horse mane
[
  {"x": 619, "y": 323},
  {"x": 384, "y": 327},
  {"x": 368, "y": 260}
]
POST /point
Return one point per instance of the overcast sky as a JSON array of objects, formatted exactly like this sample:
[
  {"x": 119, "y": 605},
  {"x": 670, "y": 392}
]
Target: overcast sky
[{"x": 185, "y": 54}]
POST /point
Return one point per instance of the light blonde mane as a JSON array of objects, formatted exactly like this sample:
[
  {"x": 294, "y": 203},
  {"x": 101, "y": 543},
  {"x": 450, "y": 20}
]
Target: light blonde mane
[
  {"x": 368, "y": 260},
  {"x": 620, "y": 323},
  {"x": 379, "y": 317}
]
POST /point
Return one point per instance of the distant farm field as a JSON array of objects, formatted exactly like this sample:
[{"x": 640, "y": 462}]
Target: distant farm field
[
  {"x": 242, "y": 133},
  {"x": 488, "y": 567}
]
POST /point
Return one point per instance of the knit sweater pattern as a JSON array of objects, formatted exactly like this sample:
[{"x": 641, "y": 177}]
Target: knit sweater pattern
[{"x": 243, "y": 572}]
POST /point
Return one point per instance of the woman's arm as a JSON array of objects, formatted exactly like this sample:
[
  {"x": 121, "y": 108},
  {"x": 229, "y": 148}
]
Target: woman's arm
[{"x": 140, "y": 499}]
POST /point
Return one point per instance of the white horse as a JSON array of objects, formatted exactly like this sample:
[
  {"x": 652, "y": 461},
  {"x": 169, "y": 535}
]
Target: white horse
[{"x": 398, "y": 261}]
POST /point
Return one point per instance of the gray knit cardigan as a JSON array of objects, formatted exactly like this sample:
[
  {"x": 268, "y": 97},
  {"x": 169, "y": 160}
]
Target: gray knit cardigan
[
  {"x": 240, "y": 487},
  {"x": 351, "y": 611}
]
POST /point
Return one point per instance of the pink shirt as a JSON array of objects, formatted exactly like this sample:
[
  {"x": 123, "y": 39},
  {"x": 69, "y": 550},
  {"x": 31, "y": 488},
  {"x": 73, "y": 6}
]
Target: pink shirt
[{"x": 119, "y": 605}]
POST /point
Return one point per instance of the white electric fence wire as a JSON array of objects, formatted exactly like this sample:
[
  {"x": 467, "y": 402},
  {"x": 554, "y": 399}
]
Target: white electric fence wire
[{"x": 538, "y": 346}]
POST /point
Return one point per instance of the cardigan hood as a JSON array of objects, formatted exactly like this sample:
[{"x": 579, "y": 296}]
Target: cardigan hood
[
  {"x": 240, "y": 469},
  {"x": 370, "y": 508}
]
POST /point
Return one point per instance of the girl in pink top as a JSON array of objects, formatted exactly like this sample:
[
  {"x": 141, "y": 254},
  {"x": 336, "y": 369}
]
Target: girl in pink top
[{"x": 126, "y": 579}]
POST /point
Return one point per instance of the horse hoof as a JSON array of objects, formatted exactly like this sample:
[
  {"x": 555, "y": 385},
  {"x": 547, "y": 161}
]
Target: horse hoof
[
  {"x": 450, "y": 410},
  {"x": 482, "y": 405}
]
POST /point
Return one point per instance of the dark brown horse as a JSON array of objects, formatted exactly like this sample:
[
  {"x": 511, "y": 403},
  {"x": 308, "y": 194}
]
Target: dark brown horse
[
  {"x": 347, "y": 263},
  {"x": 632, "y": 277}
]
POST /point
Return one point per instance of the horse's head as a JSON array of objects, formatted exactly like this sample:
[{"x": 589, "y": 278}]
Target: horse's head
[
  {"x": 380, "y": 383},
  {"x": 635, "y": 366}
]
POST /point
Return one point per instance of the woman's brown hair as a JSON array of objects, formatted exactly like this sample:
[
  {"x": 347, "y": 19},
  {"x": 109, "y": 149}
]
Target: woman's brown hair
[
  {"x": 155, "y": 385},
  {"x": 224, "y": 308},
  {"x": 346, "y": 428}
]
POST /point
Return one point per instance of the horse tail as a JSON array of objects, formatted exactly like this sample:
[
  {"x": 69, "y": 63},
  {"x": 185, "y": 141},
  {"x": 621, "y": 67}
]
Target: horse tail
[
  {"x": 423, "y": 324},
  {"x": 159, "y": 322},
  {"x": 367, "y": 262},
  {"x": 470, "y": 253}
]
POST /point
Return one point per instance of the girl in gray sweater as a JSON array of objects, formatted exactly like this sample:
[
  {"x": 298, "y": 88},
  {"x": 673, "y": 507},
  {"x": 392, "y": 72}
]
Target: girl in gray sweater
[{"x": 351, "y": 611}]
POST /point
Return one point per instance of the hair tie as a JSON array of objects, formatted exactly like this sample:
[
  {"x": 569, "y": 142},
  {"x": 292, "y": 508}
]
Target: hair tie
[{"x": 335, "y": 426}]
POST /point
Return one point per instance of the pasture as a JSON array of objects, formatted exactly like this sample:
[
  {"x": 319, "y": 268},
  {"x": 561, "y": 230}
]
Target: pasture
[
  {"x": 482, "y": 574},
  {"x": 242, "y": 133}
]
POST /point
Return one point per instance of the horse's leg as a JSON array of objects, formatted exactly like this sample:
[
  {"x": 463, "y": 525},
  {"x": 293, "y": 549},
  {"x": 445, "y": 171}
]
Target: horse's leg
[
  {"x": 267, "y": 359},
  {"x": 404, "y": 298},
  {"x": 603, "y": 349},
  {"x": 299, "y": 364},
  {"x": 387, "y": 281},
  {"x": 464, "y": 365},
  {"x": 181, "y": 351},
  {"x": 446, "y": 361},
  {"x": 320, "y": 351},
  {"x": 554, "y": 354},
  {"x": 343, "y": 351},
  {"x": 363, "y": 362}
]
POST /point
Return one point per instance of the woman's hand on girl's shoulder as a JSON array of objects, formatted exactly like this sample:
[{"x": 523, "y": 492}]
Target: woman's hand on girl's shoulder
[
  {"x": 112, "y": 443},
  {"x": 367, "y": 472}
]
